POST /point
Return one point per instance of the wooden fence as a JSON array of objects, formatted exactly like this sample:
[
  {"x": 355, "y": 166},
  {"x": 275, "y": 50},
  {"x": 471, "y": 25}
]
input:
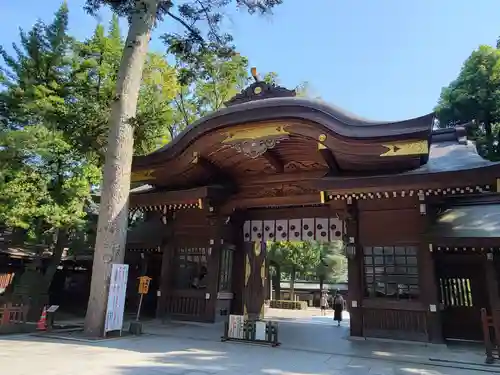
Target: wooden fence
[{"x": 11, "y": 314}]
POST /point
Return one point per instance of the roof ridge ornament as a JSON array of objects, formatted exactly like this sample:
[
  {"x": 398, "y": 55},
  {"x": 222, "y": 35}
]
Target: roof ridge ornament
[{"x": 259, "y": 90}]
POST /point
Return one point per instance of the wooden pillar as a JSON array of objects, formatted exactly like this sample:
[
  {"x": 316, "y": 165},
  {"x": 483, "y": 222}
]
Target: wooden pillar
[
  {"x": 429, "y": 293},
  {"x": 165, "y": 283},
  {"x": 427, "y": 275},
  {"x": 269, "y": 286},
  {"x": 216, "y": 242},
  {"x": 238, "y": 280},
  {"x": 354, "y": 268},
  {"x": 492, "y": 284},
  {"x": 238, "y": 273},
  {"x": 255, "y": 280}
]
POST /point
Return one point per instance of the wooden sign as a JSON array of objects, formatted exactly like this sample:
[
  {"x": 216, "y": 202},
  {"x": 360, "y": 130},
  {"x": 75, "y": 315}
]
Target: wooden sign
[
  {"x": 52, "y": 308},
  {"x": 144, "y": 284}
]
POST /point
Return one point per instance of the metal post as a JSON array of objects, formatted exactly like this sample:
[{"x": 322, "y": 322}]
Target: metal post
[
  {"x": 139, "y": 308},
  {"x": 487, "y": 337}
]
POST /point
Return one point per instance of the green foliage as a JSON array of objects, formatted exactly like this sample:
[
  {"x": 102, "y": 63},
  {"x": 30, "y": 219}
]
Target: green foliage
[
  {"x": 474, "y": 96},
  {"x": 201, "y": 22},
  {"x": 42, "y": 179},
  {"x": 56, "y": 95},
  {"x": 332, "y": 265},
  {"x": 296, "y": 257},
  {"x": 317, "y": 260},
  {"x": 204, "y": 87}
]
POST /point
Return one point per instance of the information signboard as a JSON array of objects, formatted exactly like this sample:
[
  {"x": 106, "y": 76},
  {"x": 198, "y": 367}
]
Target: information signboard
[
  {"x": 235, "y": 330},
  {"x": 116, "y": 298}
]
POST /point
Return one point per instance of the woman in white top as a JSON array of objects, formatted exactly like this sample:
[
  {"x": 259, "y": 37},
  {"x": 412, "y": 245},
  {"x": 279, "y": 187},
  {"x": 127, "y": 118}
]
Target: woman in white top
[{"x": 323, "y": 302}]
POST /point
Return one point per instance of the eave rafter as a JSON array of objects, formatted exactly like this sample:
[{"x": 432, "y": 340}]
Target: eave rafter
[
  {"x": 216, "y": 174},
  {"x": 274, "y": 160},
  {"x": 329, "y": 159}
]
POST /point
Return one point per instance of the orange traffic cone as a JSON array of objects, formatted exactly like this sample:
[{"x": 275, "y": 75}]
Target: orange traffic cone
[{"x": 42, "y": 323}]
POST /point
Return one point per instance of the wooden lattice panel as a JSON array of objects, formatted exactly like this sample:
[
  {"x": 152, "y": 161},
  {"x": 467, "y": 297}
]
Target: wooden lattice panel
[{"x": 307, "y": 229}]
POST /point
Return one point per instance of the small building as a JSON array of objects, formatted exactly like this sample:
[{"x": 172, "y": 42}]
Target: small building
[
  {"x": 417, "y": 209},
  {"x": 309, "y": 291}
]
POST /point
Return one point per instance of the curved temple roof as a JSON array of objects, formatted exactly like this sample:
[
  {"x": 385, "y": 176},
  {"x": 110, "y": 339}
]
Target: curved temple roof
[{"x": 333, "y": 119}]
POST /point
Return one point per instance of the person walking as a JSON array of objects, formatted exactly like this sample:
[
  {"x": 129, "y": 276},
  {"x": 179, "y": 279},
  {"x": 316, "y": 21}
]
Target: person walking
[
  {"x": 338, "y": 307},
  {"x": 323, "y": 302}
]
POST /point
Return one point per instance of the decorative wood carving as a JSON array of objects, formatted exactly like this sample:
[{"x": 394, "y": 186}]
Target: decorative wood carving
[
  {"x": 260, "y": 90},
  {"x": 295, "y": 166},
  {"x": 307, "y": 229},
  {"x": 255, "y": 141},
  {"x": 290, "y": 167},
  {"x": 406, "y": 148},
  {"x": 248, "y": 269}
]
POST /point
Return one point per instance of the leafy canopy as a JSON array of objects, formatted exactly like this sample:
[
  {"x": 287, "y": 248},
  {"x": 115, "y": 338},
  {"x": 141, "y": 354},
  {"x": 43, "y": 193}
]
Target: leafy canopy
[{"x": 474, "y": 98}]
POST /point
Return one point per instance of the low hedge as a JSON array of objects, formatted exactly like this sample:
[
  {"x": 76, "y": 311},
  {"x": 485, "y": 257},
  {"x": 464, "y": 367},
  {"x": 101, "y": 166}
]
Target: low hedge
[{"x": 288, "y": 305}]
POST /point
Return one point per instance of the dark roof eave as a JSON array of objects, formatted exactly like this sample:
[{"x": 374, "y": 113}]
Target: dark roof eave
[
  {"x": 331, "y": 118},
  {"x": 475, "y": 176}
]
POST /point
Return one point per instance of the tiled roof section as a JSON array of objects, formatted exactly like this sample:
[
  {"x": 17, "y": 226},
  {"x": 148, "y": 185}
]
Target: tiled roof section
[
  {"x": 451, "y": 151},
  {"x": 477, "y": 221}
]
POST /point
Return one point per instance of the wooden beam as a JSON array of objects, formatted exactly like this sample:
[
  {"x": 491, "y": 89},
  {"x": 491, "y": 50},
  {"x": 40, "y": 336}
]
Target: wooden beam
[
  {"x": 275, "y": 161},
  {"x": 313, "y": 176},
  {"x": 206, "y": 164},
  {"x": 297, "y": 200},
  {"x": 329, "y": 159},
  {"x": 217, "y": 174},
  {"x": 157, "y": 198}
]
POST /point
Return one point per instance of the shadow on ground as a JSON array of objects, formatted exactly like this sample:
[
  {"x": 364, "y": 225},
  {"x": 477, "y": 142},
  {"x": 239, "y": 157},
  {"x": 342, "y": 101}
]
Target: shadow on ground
[
  {"x": 310, "y": 345},
  {"x": 154, "y": 354}
]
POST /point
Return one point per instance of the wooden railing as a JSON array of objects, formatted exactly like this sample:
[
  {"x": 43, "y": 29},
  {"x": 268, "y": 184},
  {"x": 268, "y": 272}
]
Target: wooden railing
[
  {"x": 12, "y": 314},
  {"x": 186, "y": 306},
  {"x": 392, "y": 323}
]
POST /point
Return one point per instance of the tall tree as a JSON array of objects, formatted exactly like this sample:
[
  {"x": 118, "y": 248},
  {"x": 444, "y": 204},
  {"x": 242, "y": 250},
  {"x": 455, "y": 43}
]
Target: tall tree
[
  {"x": 43, "y": 183},
  {"x": 142, "y": 15},
  {"x": 205, "y": 86},
  {"x": 332, "y": 263},
  {"x": 294, "y": 257},
  {"x": 56, "y": 94},
  {"x": 474, "y": 96}
]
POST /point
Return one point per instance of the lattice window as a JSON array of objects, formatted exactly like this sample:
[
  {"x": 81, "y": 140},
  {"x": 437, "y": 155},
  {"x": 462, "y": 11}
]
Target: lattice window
[
  {"x": 191, "y": 268},
  {"x": 456, "y": 291},
  {"x": 391, "y": 272},
  {"x": 226, "y": 268}
]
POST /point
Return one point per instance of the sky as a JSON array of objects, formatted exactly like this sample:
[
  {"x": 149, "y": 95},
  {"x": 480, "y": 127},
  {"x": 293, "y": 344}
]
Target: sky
[{"x": 383, "y": 59}]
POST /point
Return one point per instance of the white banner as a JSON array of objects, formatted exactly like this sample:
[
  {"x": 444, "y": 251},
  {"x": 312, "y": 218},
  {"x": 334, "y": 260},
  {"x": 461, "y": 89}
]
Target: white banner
[
  {"x": 116, "y": 298},
  {"x": 236, "y": 326}
]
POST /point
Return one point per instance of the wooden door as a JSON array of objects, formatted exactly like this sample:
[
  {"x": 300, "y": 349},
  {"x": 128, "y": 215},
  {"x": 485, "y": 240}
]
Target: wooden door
[
  {"x": 188, "y": 298},
  {"x": 463, "y": 292}
]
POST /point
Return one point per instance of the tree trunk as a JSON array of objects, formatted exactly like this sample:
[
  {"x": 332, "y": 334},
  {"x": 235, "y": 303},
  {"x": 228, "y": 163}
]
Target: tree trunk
[
  {"x": 292, "y": 284},
  {"x": 277, "y": 283},
  {"x": 113, "y": 210},
  {"x": 321, "y": 283},
  {"x": 33, "y": 287}
]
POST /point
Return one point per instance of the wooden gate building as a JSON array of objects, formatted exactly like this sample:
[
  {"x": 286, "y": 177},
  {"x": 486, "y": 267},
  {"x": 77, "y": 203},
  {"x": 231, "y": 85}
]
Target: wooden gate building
[{"x": 418, "y": 210}]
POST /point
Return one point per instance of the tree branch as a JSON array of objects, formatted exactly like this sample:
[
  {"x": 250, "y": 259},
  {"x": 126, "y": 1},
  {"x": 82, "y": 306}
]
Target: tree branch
[{"x": 188, "y": 27}]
